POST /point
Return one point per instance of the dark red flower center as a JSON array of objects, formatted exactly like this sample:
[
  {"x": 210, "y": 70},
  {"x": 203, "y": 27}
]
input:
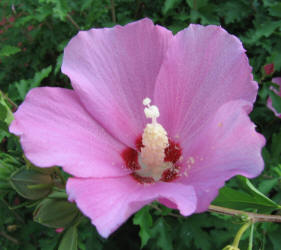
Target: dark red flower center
[{"x": 172, "y": 154}]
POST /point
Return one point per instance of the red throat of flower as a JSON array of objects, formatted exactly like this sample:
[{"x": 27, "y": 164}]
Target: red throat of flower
[{"x": 156, "y": 156}]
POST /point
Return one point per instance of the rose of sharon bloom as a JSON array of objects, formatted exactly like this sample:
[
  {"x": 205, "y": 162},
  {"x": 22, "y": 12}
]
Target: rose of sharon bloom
[
  {"x": 276, "y": 80},
  {"x": 151, "y": 116}
]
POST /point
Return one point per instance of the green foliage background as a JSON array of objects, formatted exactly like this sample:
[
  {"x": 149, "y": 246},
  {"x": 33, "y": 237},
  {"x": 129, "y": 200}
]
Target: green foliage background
[{"x": 33, "y": 34}]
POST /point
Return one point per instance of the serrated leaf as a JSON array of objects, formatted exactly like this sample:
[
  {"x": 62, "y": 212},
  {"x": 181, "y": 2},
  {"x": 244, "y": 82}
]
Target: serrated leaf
[
  {"x": 238, "y": 11},
  {"x": 70, "y": 239},
  {"x": 197, "y": 4},
  {"x": 58, "y": 64},
  {"x": 263, "y": 30},
  {"x": 23, "y": 86},
  {"x": 168, "y": 5},
  {"x": 144, "y": 220},
  {"x": 275, "y": 10},
  {"x": 9, "y": 50},
  {"x": 39, "y": 76},
  {"x": 161, "y": 232},
  {"x": 191, "y": 230}
]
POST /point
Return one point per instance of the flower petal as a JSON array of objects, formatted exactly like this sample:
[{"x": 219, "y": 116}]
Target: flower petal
[
  {"x": 113, "y": 70},
  {"x": 205, "y": 67},
  {"x": 55, "y": 129},
  {"x": 228, "y": 146},
  {"x": 276, "y": 80},
  {"x": 109, "y": 202}
]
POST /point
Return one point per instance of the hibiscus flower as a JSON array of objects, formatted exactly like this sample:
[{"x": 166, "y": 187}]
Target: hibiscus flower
[{"x": 152, "y": 116}]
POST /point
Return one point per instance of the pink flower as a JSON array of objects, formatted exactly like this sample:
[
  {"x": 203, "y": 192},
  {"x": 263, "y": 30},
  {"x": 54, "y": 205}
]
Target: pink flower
[
  {"x": 276, "y": 80},
  {"x": 59, "y": 230},
  {"x": 200, "y": 83}
]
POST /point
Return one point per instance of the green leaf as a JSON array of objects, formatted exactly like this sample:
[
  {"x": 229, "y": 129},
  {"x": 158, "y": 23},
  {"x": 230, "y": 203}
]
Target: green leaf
[
  {"x": 263, "y": 30},
  {"x": 39, "y": 76},
  {"x": 275, "y": 10},
  {"x": 235, "y": 199},
  {"x": 4, "y": 127},
  {"x": 239, "y": 10},
  {"x": 267, "y": 185},
  {"x": 6, "y": 114},
  {"x": 58, "y": 64},
  {"x": 3, "y": 112},
  {"x": 275, "y": 239},
  {"x": 192, "y": 230},
  {"x": 144, "y": 220},
  {"x": 276, "y": 145},
  {"x": 197, "y": 4},
  {"x": 162, "y": 232},
  {"x": 248, "y": 187},
  {"x": 276, "y": 101},
  {"x": 70, "y": 239},
  {"x": 9, "y": 50},
  {"x": 168, "y": 5},
  {"x": 23, "y": 86}
]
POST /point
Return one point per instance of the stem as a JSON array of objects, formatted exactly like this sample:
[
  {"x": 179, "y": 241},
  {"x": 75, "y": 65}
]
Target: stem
[
  {"x": 240, "y": 233},
  {"x": 58, "y": 172},
  {"x": 254, "y": 217},
  {"x": 18, "y": 217},
  {"x": 194, "y": 4},
  {"x": 72, "y": 21},
  {"x": 39, "y": 186},
  {"x": 8, "y": 237},
  {"x": 15, "y": 106},
  {"x": 113, "y": 11},
  {"x": 250, "y": 247}
]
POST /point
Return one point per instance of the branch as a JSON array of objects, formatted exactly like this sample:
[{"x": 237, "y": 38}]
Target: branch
[
  {"x": 15, "y": 106},
  {"x": 72, "y": 21},
  {"x": 8, "y": 237},
  {"x": 253, "y": 216}
]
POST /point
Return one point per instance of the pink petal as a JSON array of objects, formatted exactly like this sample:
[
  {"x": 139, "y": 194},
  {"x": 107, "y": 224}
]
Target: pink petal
[
  {"x": 109, "y": 202},
  {"x": 113, "y": 70},
  {"x": 205, "y": 67},
  {"x": 276, "y": 80},
  {"x": 55, "y": 129},
  {"x": 228, "y": 146}
]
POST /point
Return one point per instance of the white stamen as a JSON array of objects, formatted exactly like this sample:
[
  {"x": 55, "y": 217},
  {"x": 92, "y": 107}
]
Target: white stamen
[
  {"x": 146, "y": 101},
  {"x": 151, "y": 112},
  {"x": 154, "y": 140}
]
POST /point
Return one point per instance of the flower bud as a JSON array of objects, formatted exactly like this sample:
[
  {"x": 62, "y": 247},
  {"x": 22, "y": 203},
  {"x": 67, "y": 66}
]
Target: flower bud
[
  {"x": 55, "y": 213},
  {"x": 31, "y": 184},
  {"x": 269, "y": 69}
]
